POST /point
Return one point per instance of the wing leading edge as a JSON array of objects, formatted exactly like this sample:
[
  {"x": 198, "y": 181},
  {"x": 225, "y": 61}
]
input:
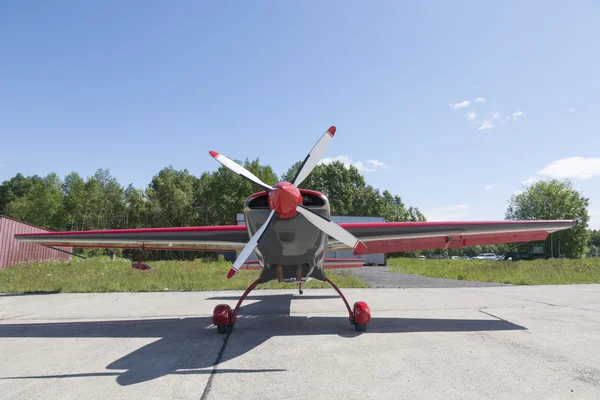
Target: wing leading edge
[
  {"x": 392, "y": 237},
  {"x": 229, "y": 237}
]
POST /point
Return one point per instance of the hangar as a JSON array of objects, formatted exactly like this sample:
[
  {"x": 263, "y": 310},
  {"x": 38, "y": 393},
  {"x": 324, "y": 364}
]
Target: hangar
[{"x": 13, "y": 251}]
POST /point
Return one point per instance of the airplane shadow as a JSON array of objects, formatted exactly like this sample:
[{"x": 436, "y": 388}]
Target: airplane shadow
[{"x": 192, "y": 345}]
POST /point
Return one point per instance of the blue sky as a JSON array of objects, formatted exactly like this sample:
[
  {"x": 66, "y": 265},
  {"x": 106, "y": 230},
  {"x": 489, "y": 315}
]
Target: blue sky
[{"x": 135, "y": 86}]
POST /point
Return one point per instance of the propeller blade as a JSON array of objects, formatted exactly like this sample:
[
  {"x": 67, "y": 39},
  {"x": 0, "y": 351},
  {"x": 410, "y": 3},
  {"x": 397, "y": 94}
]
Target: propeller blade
[
  {"x": 241, "y": 171},
  {"x": 314, "y": 156},
  {"x": 333, "y": 229},
  {"x": 250, "y": 246}
]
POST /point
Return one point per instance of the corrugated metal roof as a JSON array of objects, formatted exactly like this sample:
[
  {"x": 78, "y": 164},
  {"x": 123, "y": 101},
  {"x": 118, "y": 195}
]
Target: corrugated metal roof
[{"x": 13, "y": 251}]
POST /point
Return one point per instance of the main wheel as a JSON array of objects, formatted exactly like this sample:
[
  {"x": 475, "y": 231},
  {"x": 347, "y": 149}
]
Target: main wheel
[
  {"x": 362, "y": 316},
  {"x": 222, "y": 317}
]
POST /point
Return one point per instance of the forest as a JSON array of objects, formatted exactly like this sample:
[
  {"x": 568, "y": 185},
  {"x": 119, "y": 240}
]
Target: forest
[{"x": 177, "y": 198}]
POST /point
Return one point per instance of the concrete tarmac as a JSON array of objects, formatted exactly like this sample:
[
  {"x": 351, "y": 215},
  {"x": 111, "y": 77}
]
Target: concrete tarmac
[{"x": 511, "y": 342}]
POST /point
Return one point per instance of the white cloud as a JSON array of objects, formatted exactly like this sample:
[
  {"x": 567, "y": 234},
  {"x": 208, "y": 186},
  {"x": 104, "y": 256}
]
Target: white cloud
[
  {"x": 448, "y": 213},
  {"x": 471, "y": 115},
  {"x": 571, "y": 110},
  {"x": 485, "y": 125},
  {"x": 516, "y": 115},
  {"x": 572, "y": 168},
  {"x": 488, "y": 187},
  {"x": 495, "y": 115},
  {"x": 480, "y": 100},
  {"x": 362, "y": 166},
  {"x": 462, "y": 104}
]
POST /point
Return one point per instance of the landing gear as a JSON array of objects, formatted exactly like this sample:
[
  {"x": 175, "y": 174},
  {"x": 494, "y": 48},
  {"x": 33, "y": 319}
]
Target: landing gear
[
  {"x": 139, "y": 264},
  {"x": 300, "y": 288},
  {"x": 223, "y": 317},
  {"x": 360, "y": 315}
]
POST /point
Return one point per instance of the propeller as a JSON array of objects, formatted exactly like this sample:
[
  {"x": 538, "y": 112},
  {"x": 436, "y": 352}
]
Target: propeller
[
  {"x": 238, "y": 169},
  {"x": 332, "y": 229},
  {"x": 285, "y": 200},
  {"x": 313, "y": 158}
]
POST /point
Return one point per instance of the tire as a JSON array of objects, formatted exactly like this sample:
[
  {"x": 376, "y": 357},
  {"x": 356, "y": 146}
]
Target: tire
[
  {"x": 222, "y": 328},
  {"x": 360, "y": 327}
]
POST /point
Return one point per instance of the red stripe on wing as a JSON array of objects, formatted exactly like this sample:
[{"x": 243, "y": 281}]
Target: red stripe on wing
[{"x": 440, "y": 242}]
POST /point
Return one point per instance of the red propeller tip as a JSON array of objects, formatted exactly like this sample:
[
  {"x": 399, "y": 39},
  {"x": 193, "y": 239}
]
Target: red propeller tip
[
  {"x": 360, "y": 248},
  {"x": 331, "y": 131},
  {"x": 214, "y": 154},
  {"x": 231, "y": 273}
]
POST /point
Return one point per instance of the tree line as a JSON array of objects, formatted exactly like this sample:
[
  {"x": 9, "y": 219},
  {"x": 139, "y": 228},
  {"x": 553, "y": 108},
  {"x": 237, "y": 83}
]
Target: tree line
[{"x": 177, "y": 198}]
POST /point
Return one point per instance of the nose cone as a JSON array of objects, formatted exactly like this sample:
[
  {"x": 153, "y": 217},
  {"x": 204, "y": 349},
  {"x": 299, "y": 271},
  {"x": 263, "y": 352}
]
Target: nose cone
[{"x": 284, "y": 199}]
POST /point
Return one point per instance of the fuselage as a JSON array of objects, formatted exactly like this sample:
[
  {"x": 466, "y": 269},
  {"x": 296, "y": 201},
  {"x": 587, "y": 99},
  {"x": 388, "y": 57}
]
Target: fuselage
[{"x": 292, "y": 249}]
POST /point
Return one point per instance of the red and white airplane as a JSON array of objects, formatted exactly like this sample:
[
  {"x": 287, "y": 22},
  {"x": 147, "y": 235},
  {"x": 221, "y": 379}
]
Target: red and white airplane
[{"x": 290, "y": 231}]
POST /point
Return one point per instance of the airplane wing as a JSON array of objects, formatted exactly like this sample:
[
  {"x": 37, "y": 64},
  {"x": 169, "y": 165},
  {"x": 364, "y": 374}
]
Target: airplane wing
[
  {"x": 221, "y": 238},
  {"x": 392, "y": 237}
]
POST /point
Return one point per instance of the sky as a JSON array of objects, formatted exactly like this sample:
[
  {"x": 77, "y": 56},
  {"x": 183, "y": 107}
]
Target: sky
[{"x": 451, "y": 105}]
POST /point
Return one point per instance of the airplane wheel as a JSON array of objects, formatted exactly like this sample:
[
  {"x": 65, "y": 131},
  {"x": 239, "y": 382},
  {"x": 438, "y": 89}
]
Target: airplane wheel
[
  {"x": 362, "y": 316},
  {"x": 222, "y": 317},
  {"x": 360, "y": 327}
]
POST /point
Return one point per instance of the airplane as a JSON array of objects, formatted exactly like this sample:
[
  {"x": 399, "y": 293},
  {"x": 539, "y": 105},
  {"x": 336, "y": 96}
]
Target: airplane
[{"x": 290, "y": 231}]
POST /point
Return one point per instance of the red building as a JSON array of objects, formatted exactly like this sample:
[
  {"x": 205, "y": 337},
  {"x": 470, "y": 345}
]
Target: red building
[{"x": 13, "y": 251}]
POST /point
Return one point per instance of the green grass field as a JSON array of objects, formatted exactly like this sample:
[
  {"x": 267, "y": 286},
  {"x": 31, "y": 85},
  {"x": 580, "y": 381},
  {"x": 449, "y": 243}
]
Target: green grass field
[
  {"x": 538, "y": 272},
  {"x": 102, "y": 275}
]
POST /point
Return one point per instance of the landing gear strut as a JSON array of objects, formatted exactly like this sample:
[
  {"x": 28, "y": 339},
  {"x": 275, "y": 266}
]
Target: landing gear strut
[
  {"x": 139, "y": 264},
  {"x": 223, "y": 317},
  {"x": 360, "y": 316}
]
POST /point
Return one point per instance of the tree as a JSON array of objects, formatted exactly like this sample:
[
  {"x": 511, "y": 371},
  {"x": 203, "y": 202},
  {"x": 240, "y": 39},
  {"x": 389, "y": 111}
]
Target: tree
[
  {"x": 348, "y": 193},
  {"x": 344, "y": 186},
  {"x": 136, "y": 205},
  {"x": 553, "y": 200},
  {"x": 74, "y": 200},
  {"x": 41, "y": 204},
  {"x": 220, "y": 195},
  {"x": 392, "y": 208},
  {"x": 104, "y": 202},
  {"x": 170, "y": 198},
  {"x": 15, "y": 188}
]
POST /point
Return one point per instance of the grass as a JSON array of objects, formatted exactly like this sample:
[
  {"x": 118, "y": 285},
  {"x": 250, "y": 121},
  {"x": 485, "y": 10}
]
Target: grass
[
  {"x": 102, "y": 275},
  {"x": 537, "y": 272}
]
